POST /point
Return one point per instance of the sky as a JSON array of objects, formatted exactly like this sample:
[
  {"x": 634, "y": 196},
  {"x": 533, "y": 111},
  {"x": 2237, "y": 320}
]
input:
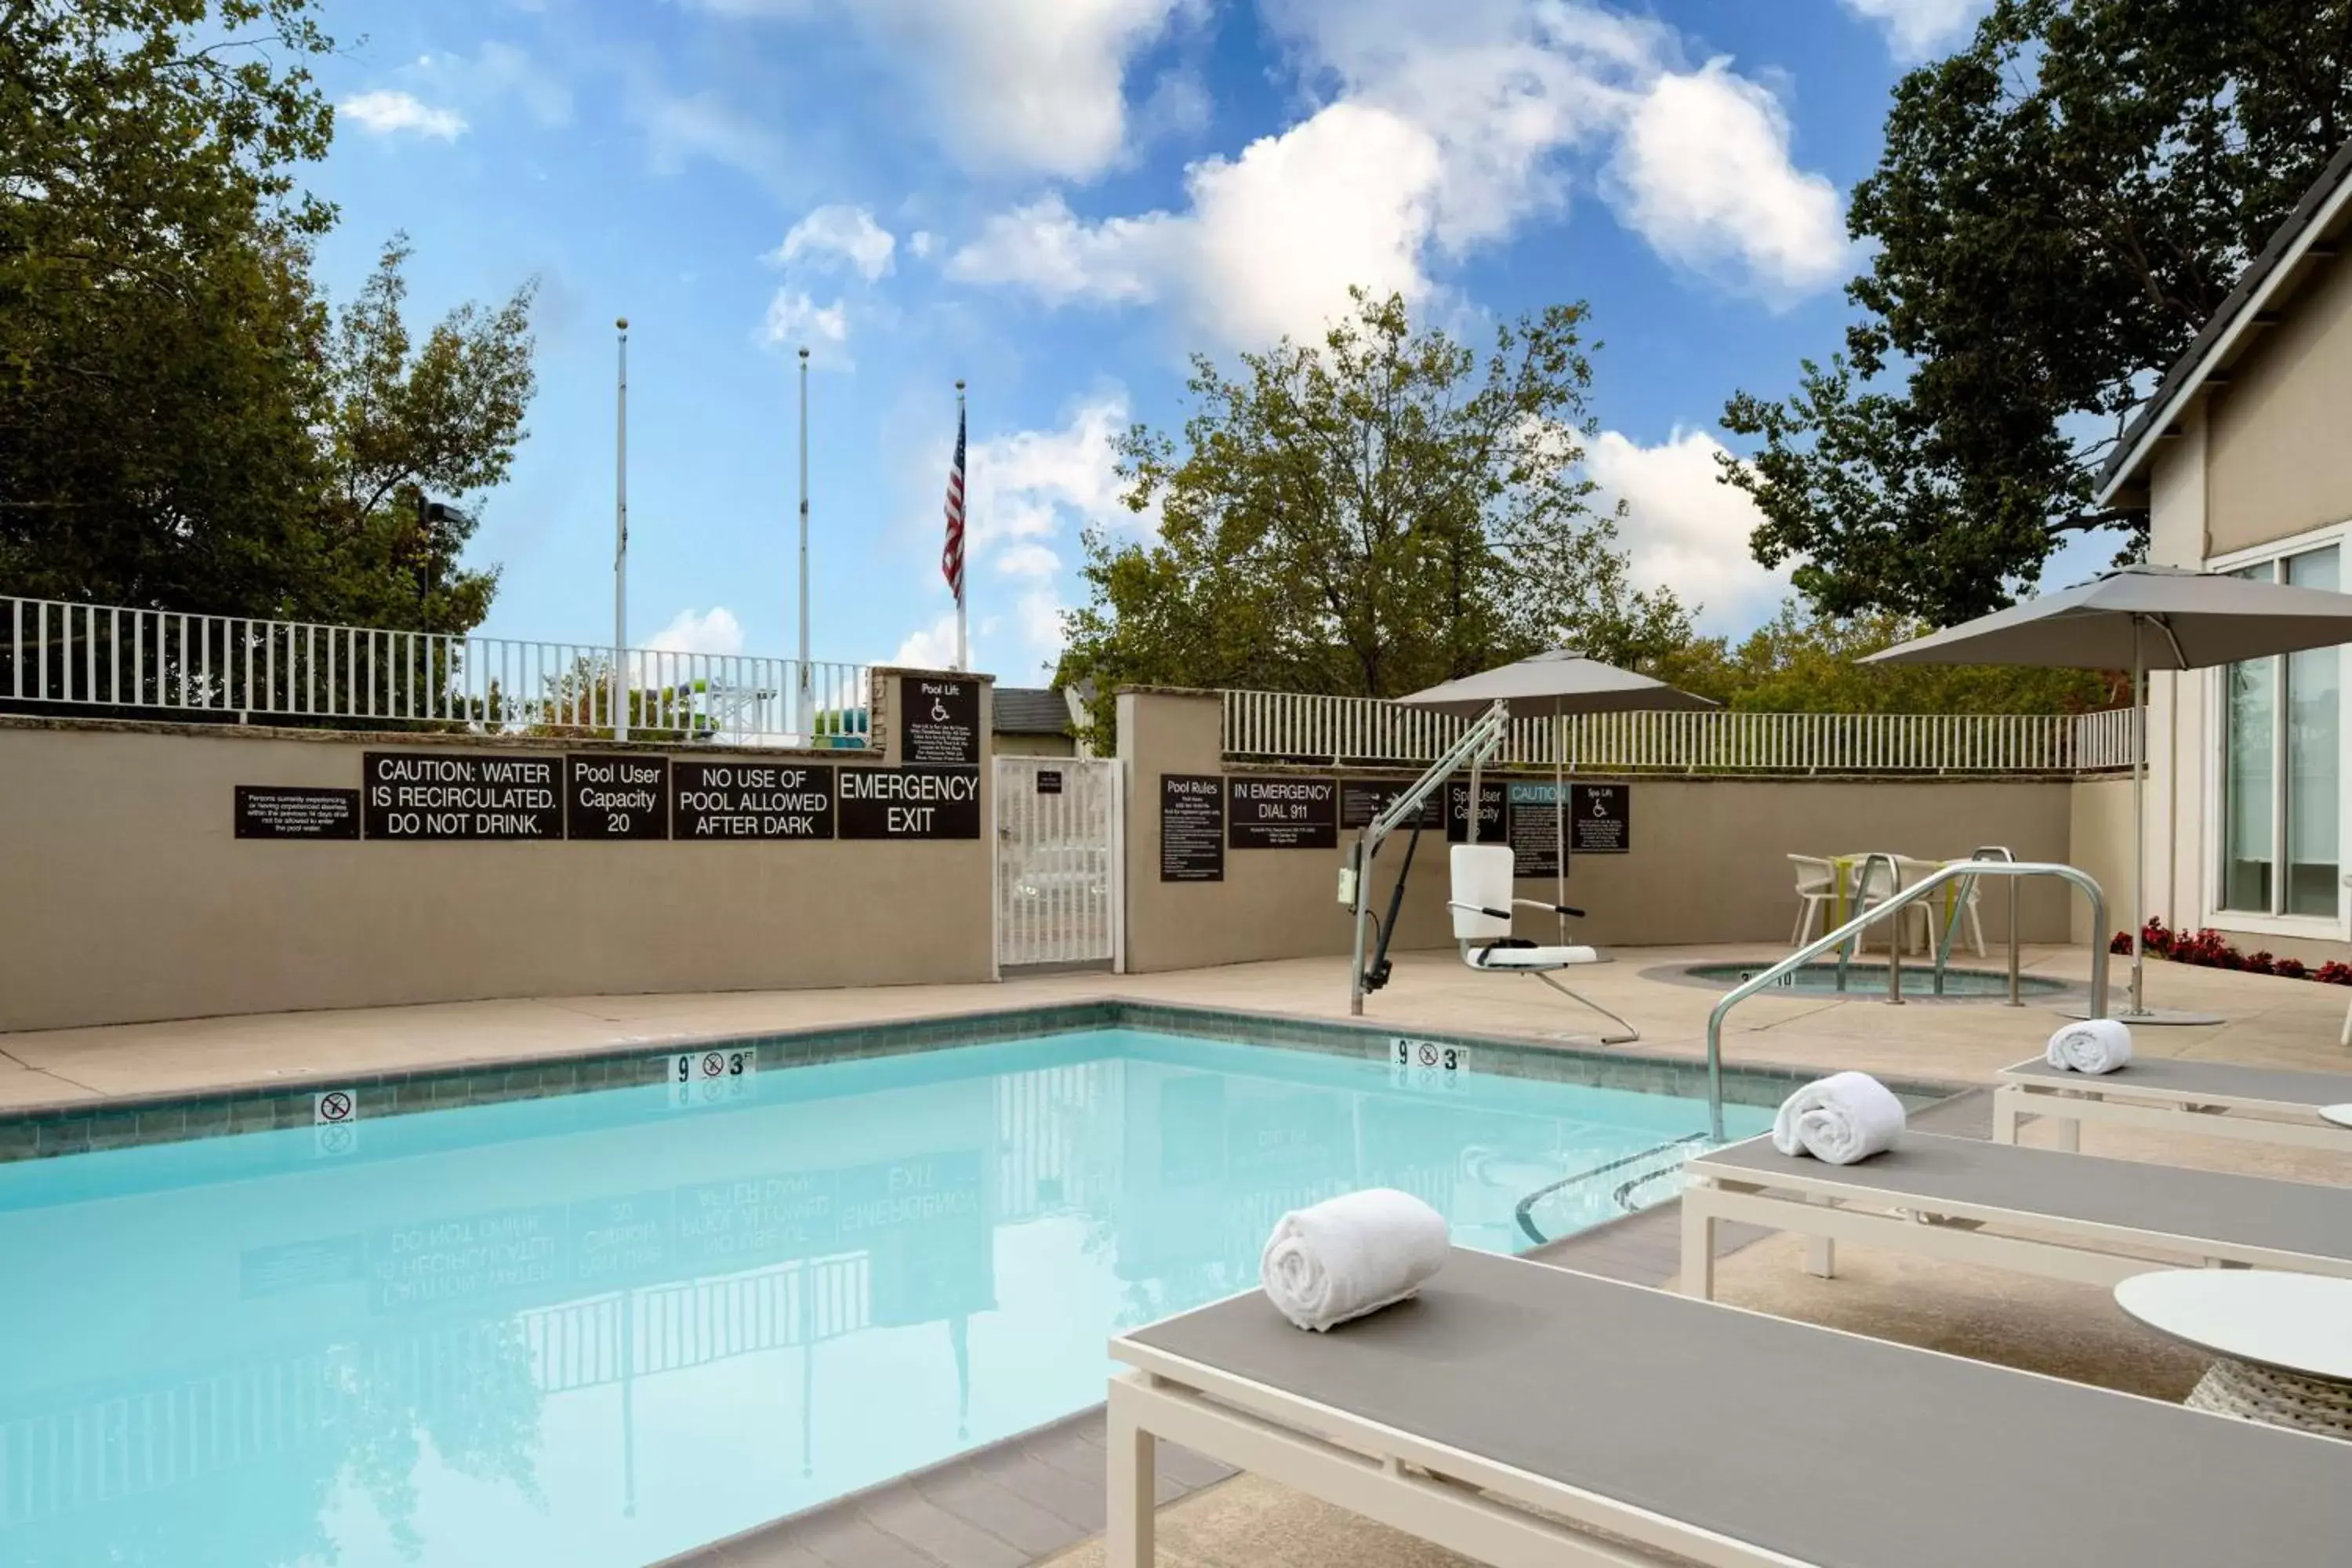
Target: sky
[{"x": 1059, "y": 201}]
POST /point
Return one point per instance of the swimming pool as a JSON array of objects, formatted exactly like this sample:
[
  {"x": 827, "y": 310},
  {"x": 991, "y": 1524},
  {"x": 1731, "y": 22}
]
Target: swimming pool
[{"x": 600, "y": 1328}]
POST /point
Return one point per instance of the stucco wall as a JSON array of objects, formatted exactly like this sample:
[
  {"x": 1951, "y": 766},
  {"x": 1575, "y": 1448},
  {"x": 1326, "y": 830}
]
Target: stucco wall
[
  {"x": 130, "y": 898},
  {"x": 2277, "y": 463},
  {"x": 1707, "y": 863}
]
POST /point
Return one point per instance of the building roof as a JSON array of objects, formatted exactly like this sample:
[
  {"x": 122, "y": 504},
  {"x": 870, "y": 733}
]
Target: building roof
[
  {"x": 2307, "y": 236},
  {"x": 1030, "y": 710}
]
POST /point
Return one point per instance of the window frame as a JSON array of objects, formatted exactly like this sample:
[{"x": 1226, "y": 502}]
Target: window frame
[{"x": 2337, "y": 927}]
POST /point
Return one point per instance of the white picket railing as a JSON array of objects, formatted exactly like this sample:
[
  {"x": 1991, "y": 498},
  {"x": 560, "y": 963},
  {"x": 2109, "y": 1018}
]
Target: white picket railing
[
  {"x": 163, "y": 663},
  {"x": 1275, "y": 726}
]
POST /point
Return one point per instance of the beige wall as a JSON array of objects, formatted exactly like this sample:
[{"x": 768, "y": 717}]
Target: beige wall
[
  {"x": 1706, "y": 865},
  {"x": 130, "y": 898},
  {"x": 2278, "y": 463}
]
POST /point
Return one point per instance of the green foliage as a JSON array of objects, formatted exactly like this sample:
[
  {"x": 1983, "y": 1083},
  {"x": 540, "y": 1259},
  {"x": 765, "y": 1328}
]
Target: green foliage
[
  {"x": 1367, "y": 516},
  {"x": 182, "y": 423},
  {"x": 2058, "y": 209},
  {"x": 1808, "y": 663}
]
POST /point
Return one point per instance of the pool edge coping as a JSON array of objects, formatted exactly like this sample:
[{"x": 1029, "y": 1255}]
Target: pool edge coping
[{"x": 89, "y": 1124}]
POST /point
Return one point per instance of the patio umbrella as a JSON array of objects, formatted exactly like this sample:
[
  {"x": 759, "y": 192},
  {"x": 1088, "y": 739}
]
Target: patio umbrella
[
  {"x": 1559, "y": 681},
  {"x": 2143, "y": 618}
]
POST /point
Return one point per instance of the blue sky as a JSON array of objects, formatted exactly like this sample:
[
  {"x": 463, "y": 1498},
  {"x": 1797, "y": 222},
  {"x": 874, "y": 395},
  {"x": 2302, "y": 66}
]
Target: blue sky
[{"x": 1056, "y": 200}]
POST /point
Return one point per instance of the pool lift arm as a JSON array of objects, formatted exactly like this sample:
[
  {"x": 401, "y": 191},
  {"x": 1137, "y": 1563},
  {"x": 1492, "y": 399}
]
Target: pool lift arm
[{"x": 1471, "y": 749}]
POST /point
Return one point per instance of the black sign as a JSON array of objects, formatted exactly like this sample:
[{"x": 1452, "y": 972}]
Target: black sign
[
  {"x": 1602, "y": 823},
  {"x": 910, "y": 803},
  {"x": 734, "y": 799},
  {"x": 615, "y": 797},
  {"x": 1494, "y": 824},
  {"x": 1191, "y": 827},
  {"x": 939, "y": 722},
  {"x": 1535, "y": 830},
  {"x": 428, "y": 795},
  {"x": 1049, "y": 781},
  {"x": 1282, "y": 814},
  {"x": 289, "y": 811},
  {"x": 1360, "y": 800}
]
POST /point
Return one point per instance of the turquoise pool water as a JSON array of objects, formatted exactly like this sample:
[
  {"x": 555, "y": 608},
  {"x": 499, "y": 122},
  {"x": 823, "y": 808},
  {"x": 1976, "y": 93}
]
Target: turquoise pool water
[{"x": 595, "y": 1329}]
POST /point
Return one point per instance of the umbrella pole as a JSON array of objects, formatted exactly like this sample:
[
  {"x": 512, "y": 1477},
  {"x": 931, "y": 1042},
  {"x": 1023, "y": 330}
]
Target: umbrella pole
[
  {"x": 1560, "y": 817},
  {"x": 2139, "y": 815}
]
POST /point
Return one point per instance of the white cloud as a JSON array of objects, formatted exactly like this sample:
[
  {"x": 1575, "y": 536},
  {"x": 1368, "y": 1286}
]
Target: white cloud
[
  {"x": 715, "y": 630},
  {"x": 795, "y": 320},
  {"x": 1448, "y": 127},
  {"x": 931, "y": 648},
  {"x": 1685, "y": 528},
  {"x": 1917, "y": 29},
  {"x": 388, "y": 113},
  {"x": 682, "y": 127},
  {"x": 1032, "y": 85},
  {"x": 1706, "y": 179},
  {"x": 920, "y": 243},
  {"x": 833, "y": 234}
]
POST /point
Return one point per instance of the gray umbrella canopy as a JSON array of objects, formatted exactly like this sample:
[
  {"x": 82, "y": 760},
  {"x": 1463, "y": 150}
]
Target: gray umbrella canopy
[
  {"x": 1559, "y": 680},
  {"x": 2181, "y": 620},
  {"x": 2141, "y": 618}
]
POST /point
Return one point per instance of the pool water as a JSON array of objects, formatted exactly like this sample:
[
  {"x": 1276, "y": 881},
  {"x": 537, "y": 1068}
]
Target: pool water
[
  {"x": 599, "y": 1329},
  {"x": 1868, "y": 980}
]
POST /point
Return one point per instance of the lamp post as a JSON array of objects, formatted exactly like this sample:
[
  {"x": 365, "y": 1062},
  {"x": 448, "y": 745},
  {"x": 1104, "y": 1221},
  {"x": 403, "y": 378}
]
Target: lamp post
[{"x": 802, "y": 716}]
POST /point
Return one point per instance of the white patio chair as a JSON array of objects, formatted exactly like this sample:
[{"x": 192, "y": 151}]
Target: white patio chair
[
  {"x": 1872, "y": 885},
  {"x": 1816, "y": 882},
  {"x": 1971, "y": 922}
]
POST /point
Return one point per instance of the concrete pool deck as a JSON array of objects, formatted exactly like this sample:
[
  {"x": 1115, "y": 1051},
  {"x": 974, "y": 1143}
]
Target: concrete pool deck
[
  {"x": 1038, "y": 1497},
  {"x": 2272, "y": 1022}
]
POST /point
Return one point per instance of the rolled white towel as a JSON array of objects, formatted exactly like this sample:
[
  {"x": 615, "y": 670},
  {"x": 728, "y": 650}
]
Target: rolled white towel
[
  {"x": 1845, "y": 1117},
  {"x": 1351, "y": 1254},
  {"x": 2095, "y": 1045}
]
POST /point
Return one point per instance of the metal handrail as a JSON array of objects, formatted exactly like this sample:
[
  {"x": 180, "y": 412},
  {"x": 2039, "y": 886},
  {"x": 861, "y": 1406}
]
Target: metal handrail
[
  {"x": 1854, "y": 928},
  {"x": 1862, "y": 901},
  {"x": 1960, "y": 912}
]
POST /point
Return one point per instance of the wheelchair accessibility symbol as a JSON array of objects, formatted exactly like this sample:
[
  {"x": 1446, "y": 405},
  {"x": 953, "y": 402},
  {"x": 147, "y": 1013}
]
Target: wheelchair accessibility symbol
[{"x": 939, "y": 712}]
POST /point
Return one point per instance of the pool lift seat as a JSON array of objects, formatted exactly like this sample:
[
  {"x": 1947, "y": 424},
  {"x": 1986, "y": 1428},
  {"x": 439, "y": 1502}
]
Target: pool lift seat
[{"x": 1482, "y": 904}]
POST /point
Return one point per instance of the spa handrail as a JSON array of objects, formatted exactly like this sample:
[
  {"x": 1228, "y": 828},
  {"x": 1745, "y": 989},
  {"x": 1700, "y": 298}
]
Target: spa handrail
[{"x": 1852, "y": 929}]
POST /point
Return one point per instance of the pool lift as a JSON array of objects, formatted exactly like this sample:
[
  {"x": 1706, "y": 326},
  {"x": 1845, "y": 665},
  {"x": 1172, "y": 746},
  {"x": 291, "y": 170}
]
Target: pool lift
[{"x": 1481, "y": 904}]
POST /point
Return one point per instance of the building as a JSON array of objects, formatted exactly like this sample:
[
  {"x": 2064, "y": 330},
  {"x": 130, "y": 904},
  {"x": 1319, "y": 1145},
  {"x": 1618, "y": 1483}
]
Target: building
[
  {"x": 1034, "y": 721},
  {"x": 2244, "y": 459}
]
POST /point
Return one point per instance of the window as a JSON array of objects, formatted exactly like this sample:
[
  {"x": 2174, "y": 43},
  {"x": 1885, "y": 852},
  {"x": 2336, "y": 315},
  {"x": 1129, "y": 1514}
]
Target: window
[{"x": 2281, "y": 766}]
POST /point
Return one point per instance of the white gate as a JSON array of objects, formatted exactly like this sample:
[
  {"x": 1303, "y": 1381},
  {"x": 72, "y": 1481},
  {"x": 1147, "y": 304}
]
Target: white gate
[{"x": 1058, "y": 894}]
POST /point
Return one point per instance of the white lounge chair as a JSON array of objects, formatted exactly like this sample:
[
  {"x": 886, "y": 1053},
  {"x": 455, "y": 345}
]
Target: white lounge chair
[
  {"x": 1481, "y": 905},
  {"x": 2038, "y": 1211},
  {"x": 2217, "y": 1100},
  {"x": 1535, "y": 1418}
]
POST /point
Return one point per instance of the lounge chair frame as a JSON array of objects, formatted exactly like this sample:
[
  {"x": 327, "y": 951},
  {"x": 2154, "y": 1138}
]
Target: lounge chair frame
[
  {"x": 2197, "y": 1100},
  {"x": 1817, "y": 1200}
]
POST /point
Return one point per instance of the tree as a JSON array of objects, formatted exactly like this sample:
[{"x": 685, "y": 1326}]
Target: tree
[
  {"x": 2058, "y": 209},
  {"x": 1810, "y": 663},
  {"x": 182, "y": 423},
  {"x": 1367, "y": 516}
]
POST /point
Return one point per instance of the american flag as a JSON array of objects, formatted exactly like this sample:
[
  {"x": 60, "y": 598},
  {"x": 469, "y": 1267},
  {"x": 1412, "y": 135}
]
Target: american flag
[{"x": 951, "y": 557}]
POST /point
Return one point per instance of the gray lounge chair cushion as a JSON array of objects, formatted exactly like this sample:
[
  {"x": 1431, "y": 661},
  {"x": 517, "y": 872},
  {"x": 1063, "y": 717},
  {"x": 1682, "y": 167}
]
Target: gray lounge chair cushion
[
  {"x": 1832, "y": 1449},
  {"x": 2223, "y": 1080},
  {"x": 2300, "y": 1217}
]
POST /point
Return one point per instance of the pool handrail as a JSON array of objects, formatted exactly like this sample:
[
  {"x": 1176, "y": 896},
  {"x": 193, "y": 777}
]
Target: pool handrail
[{"x": 1851, "y": 931}]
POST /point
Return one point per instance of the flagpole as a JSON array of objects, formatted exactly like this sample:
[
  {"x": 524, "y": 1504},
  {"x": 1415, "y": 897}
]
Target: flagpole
[
  {"x": 621, "y": 539},
  {"x": 801, "y": 718},
  {"x": 963, "y": 657}
]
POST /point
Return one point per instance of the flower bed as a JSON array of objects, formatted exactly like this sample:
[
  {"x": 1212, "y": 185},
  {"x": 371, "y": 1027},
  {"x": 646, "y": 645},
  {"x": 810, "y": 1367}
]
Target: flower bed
[{"x": 2210, "y": 949}]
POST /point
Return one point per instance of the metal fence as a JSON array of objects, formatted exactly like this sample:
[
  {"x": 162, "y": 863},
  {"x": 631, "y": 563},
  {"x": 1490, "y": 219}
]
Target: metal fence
[
  {"x": 1057, "y": 860},
  {"x": 1284, "y": 727},
  {"x": 159, "y": 663}
]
